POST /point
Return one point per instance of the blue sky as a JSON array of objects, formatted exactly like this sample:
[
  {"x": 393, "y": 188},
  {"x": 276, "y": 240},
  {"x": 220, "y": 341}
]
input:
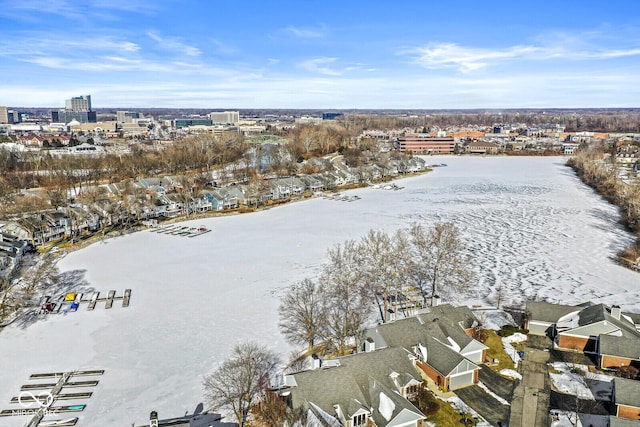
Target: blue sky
[{"x": 325, "y": 54}]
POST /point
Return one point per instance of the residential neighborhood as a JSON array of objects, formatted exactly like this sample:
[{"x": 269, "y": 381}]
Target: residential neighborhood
[{"x": 69, "y": 185}]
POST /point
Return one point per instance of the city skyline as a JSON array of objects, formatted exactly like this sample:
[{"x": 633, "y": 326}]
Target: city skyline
[{"x": 409, "y": 55}]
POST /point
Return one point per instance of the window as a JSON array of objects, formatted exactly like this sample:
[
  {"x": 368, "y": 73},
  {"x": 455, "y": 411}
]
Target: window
[
  {"x": 412, "y": 390},
  {"x": 360, "y": 420}
]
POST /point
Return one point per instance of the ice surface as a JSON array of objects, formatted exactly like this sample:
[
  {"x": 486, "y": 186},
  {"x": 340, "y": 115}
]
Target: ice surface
[{"x": 533, "y": 229}]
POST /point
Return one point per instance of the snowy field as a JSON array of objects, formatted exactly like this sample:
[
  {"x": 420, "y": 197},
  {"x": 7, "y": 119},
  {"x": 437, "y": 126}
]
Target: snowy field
[{"x": 533, "y": 228}]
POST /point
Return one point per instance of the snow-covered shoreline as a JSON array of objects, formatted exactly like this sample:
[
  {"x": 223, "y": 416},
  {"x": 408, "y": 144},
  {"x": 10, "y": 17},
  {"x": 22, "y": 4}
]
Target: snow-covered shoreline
[{"x": 533, "y": 228}]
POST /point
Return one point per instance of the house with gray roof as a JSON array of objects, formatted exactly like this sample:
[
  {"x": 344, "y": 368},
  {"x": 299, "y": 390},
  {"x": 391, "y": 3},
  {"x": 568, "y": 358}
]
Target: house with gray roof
[
  {"x": 605, "y": 331},
  {"x": 543, "y": 316},
  {"x": 618, "y": 351},
  {"x": 359, "y": 390},
  {"x": 11, "y": 251},
  {"x": 626, "y": 398},
  {"x": 581, "y": 330},
  {"x": 440, "y": 342},
  {"x": 220, "y": 199}
]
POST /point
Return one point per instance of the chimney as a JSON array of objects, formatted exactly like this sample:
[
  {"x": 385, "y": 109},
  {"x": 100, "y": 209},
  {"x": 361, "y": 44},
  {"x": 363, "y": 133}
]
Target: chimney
[
  {"x": 153, "y": 419},
  {"x": 369, "y": 345},
  {"x": 316, "y": 362},
  {"x": 436, "y": 300},
  {"x": 615, "y": 311}
]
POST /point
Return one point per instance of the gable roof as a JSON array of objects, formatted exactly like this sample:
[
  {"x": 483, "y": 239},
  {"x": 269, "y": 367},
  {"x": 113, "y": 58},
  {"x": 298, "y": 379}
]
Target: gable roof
[
  {"x": 388, "y": 405},
  {"x": 548, "y": 312},
  {"x": 408, "y": 332},
  {"x": 355, "y": 384},
  {"x": 326, "y": 388},
  {"x": 626, "y": 392},
  {"x": 444, "y": 359},
  {"x": 596, "y": 320},
  {"x": 612, "y": 345}
]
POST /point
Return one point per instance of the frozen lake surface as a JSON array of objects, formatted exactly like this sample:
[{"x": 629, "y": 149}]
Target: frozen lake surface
[{"x": 533, "y": 228}]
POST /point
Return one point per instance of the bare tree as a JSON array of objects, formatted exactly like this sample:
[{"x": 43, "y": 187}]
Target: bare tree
[
  {"x": 10, "y": 297},
  {"x": 348, "y": 301},
  {"x": 42, "y": 275},
  {"x": 439, "y": 263},
  {"x": 302, "y": 313},
  {"x": 376, "y": 256},
  {"x": 238, "y": 382}
]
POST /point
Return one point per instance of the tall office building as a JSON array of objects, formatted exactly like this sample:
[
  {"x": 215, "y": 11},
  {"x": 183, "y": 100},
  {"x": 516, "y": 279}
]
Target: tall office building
[
  {"x": 77, "y": 108},
  {"x": 225, "y": 117},
  {"x": 78, "y": 103},
  {"x": 4, "y": 115}
]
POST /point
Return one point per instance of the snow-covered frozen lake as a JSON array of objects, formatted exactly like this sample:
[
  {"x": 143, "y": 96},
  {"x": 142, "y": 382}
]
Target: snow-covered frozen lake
[{"x": 533, "y": 228}]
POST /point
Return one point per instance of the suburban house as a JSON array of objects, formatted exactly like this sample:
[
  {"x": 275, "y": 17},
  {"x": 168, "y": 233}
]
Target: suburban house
[
  {"x": 542, "y": 317},
  {"x": 616, "y": 351},
  {"x": 221, "y": 199},
  {"x": 374, "y": 386},
  {"x": 626, "y": 398},
  {"x": 363, "y": 389},
  {"x": 11, "y": 251},
  {"x": 441, "y": 342},
  {"x": 598, "y": 329}
]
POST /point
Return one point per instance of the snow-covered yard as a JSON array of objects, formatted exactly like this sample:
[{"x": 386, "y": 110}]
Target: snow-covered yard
[
  {"x": 532, "y": 228},
  {"x": 575, "y": 379},
  {"x": 568, "y": 419},
  {"x": 507, "y": 343}
]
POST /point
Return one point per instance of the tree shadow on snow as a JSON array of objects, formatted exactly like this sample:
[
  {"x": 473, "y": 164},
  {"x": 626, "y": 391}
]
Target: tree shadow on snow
[
  {"x": 601, "y": 390},
  {"x": 69, "y": 281}
]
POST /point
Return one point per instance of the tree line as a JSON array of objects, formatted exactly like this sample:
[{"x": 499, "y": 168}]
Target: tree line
[{"x": 597, "y": 166}]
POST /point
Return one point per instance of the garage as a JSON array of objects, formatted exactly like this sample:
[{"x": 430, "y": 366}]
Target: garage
[{"x": 460, "y": 380}]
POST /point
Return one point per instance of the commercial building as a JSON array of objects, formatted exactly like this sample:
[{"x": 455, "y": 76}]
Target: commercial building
[
  {"x": 64, "y": 116},
  {"x": 77, "y": 108},
  {"x": 4, "y": 115},
  {"x": 127, "y": 116},
  {"x": 183, "y": 123},
  {"x": 78, "y": 103},
  {"x": 224, "y": 117},
  {"x": 417, "y": 143}
]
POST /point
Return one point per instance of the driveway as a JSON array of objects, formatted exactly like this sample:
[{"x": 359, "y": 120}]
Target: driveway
[
  {"x": 498, "y": 384},
  {"x": 567, "y": 402},
  {"x": 484, "y": 404}
]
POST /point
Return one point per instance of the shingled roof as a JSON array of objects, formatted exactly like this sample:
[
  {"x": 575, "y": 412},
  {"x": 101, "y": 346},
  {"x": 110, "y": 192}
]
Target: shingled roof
[
  {"x": 626, "y": 392},
  {"x": 620, "y": 346},
  {"x": 356, "y": 383},
  {"x": 548, "y": 312}
]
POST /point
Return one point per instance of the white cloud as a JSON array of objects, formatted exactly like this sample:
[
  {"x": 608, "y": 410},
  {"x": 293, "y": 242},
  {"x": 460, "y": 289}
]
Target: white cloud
[
  {"x": 321, "y": 66},
  {"x": 74, "y": 10},
  {"x": 306, "y": 33},
  {"x": 234, "y": 88},
  {"x": 567, "y": 47},
  {"x": 466, "y": 59},
  {"x": 174, "y": 44}
]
